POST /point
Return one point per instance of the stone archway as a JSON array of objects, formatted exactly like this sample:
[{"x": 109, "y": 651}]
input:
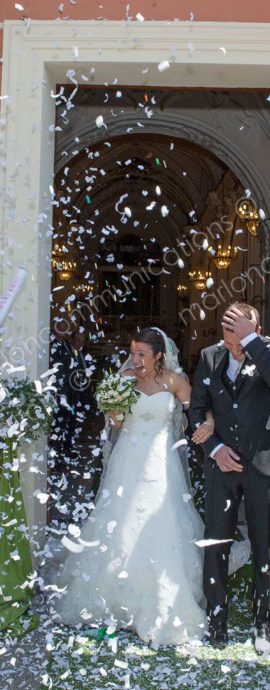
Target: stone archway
[{"x": 232, "y": 126}]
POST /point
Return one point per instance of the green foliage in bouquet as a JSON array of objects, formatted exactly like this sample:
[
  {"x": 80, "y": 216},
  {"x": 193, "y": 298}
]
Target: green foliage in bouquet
[
  {"x": 116, "y": 393},
  {"x": 26, "y": 409}
]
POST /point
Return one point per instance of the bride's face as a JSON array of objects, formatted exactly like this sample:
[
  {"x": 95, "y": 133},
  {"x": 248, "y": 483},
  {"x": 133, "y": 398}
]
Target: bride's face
[{"x": 143, "y": 359}]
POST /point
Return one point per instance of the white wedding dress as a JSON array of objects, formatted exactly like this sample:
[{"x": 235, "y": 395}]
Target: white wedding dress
[{"x": 141, "y": 569}]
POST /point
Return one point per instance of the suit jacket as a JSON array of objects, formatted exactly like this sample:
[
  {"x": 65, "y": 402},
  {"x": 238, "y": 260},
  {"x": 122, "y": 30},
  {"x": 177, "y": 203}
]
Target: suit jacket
[{"x": 241, "y": 411}]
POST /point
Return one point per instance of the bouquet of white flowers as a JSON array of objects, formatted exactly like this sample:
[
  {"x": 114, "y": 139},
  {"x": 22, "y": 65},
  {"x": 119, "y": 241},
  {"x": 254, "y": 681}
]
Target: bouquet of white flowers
[{"x": 116, "y": 393}]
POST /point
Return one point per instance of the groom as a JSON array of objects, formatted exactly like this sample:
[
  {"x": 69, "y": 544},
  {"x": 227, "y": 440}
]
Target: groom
[{"x": 233, "y": 380}]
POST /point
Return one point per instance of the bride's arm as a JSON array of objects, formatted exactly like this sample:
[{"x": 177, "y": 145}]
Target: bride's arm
[
  {"x": 115, "y": 423},
  {"x": 181, "y": 388},
  {"x": 182, "y": 392}
]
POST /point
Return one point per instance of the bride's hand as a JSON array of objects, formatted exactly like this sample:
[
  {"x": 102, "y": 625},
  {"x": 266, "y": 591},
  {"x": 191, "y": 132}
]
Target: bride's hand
[
  {"x": 202, "y": 433},
  {"x": 115, "y": 419},
  {"x": 205, "y": 430}
]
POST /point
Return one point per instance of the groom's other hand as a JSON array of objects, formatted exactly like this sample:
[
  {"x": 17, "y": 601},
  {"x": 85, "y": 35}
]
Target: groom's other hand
[
  {"x": 238, "y": 323},
  {"x": 227, "y": 460}
]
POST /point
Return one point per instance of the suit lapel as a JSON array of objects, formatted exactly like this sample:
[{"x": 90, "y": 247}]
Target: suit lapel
[
  {"x": 220, "y": 364},
  {"x": 221, "y": 358}
]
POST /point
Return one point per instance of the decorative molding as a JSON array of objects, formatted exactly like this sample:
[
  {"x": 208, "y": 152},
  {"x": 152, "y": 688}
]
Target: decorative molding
[{"x": 190, "y": 47}]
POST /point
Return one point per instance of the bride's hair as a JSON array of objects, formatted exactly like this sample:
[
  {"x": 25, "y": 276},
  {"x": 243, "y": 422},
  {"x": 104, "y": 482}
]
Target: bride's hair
[{"x": 155, "y": 340}]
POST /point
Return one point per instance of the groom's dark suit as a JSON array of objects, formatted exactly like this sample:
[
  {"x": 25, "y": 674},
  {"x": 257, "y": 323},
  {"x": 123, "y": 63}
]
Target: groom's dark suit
[{"x": 241, "y": 411}]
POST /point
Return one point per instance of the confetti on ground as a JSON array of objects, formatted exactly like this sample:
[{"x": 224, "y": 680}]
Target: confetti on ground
[{"x": 63, "y": 658}]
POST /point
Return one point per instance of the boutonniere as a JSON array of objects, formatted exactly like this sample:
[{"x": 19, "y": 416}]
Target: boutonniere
[{"x": 248, "y": 369}]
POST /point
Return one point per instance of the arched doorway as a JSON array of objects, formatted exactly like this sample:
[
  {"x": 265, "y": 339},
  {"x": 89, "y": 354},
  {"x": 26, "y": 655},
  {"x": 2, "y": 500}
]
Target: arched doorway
[
  {"x": 132, "y": 214},
  {"x": 137, "y": 214}
]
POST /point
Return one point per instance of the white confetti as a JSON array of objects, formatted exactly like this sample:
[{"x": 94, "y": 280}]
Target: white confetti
[
  {"x": 42, "y": 497},
  {"x": 181, "y": 442},
  {"x": 209, "y": 542},
  {"x": 106, "y": 493},
  {"x": 162, "y": 66},
  {"x": 151, "y": 206},
  {"x": 120, "y": 664},
  {"x": 209, "y": 283},
  {"x": 100, "y": 122},
  {"x": 74, "y": 530},
  {"x": 186, "y": 498},
  {"x": 111, "y": 526},
  {"x": 71, "y": 545},
  {"x": 225, "y": 668},
  {"x": 164, "y": 211},
  {"x": 176, "y": 622},
  {"x": 38, "y": 386}
]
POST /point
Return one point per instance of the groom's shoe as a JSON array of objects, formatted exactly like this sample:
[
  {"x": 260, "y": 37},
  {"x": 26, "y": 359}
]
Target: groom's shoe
[
  {"x": 262, "y": 637},
  {"x": 217, "y": 638},
  {"x": 217, "y": 634}
]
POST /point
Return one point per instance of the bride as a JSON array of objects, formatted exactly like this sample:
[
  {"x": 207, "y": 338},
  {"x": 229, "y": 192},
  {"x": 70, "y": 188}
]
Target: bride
[{"x": 140, "y": 568}]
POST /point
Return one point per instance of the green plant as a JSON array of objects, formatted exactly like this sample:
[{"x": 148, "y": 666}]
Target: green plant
[{"x": 26, "y": 409}]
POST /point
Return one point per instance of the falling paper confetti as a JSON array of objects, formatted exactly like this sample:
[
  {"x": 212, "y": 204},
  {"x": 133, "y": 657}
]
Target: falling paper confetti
[{"x": 162, "y": 66}]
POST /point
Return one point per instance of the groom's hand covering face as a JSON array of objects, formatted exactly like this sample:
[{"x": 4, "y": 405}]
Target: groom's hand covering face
[{"x": 239, "y": 324}]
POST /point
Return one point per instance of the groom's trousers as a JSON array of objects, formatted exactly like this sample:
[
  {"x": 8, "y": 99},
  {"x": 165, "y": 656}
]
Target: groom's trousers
[{"x": 224, "y": 491}]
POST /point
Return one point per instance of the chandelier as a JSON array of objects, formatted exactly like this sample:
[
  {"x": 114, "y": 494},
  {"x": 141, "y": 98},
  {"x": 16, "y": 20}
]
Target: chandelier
[
  {"x": 247, "y": 211},
  {"x": 199, "y": 278},
  {"x": 223, "y": 256},
  {"x": 182, "y": 287},
  {"x": 253, "y": 226},
  {"x": 84, "y": 290},
  {"x": 64, "y": 266}
]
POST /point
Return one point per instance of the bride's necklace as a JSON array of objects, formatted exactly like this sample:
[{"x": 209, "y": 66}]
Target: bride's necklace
[{"x": 148, "y": 387}]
